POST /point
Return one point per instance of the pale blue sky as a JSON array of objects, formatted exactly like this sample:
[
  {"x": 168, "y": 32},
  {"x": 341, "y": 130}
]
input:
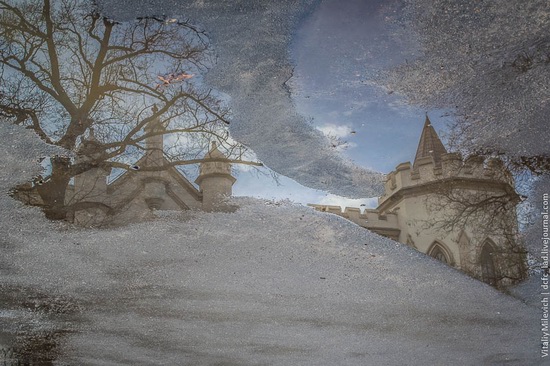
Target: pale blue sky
[{"x": 335, "y": 52}]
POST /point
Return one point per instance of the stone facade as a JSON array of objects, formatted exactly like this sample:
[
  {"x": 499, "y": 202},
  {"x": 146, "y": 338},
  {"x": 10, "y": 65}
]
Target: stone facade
[
  {"x": 445, "y": 206},
  {"x": 133, "y": 196}
]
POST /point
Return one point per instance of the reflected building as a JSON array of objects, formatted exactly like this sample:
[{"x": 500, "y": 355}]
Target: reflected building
[
  {"x": 461, "y": 212},
  {"x": 152, "y": 183}
]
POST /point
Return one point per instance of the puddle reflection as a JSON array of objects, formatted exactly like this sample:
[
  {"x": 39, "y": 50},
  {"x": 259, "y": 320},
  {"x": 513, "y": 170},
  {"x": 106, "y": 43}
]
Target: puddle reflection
[
  {"x": 121, "y": 96},
  {"x": 34, "y": 325},
  {"x": 459, "y": 211}
]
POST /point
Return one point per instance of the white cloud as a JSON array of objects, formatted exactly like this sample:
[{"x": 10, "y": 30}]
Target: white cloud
[
  {"x": 264, "y": 186},
  {"x": 345, "y": 146},
  {"x": 333, "y": 130},
  {"x": 344, "y": 202}
]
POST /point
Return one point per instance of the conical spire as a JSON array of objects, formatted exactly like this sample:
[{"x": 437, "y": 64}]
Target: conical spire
[
  {"x": 214, "y": 152},
  {"x": 89, "y": 145},
  {"x": 430, "y": 144},
  {"x": 91, "y": 134},
  {"x": 154, "y": 142}
]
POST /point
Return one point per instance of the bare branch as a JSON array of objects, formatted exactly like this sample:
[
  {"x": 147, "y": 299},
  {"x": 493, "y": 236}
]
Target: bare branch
[
  {"x": 170, "y": 164},
  {"x": 67, "y": 70}
]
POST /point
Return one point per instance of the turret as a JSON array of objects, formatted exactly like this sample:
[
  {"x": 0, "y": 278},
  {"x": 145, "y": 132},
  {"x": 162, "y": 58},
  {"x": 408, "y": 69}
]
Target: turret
[
  {"x": 215, "y": 180},
  {"x": 91, "y": 185},
  {"x": 154, "y": 142},
  {"x": 442, "y": 205}
]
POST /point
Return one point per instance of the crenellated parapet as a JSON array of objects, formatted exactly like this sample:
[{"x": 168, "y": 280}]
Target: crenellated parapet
[
  {"x": 451, "y": 166},
  {"x": 441, "y": 204},
  {"x": 386, "y": 224}
]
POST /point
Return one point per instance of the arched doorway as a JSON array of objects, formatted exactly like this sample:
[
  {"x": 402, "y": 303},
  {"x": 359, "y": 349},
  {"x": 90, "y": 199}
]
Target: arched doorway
[
  {"x": 488, "y": 269},
  {"x": 441, "y": 253}
]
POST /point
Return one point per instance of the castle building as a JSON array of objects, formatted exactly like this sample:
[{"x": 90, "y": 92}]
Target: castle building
[
  {"x": 153, "y": 183},
  {"x": 461, "y": 212}
]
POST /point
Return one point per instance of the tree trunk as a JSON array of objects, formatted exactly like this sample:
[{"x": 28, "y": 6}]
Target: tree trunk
[{"x": 53, "y": 191}]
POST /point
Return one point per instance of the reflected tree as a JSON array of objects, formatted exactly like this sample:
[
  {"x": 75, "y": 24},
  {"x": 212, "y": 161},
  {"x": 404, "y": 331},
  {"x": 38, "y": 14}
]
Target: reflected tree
[
  {"x": 487, "y": 64},
  {"x": 488, "y": 272},
  {"x": 493, "y": 79},
  {"x": 486, "y": 210},
  {"x": 67, "y": 70}
]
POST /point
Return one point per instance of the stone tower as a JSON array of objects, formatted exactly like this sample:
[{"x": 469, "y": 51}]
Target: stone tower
[
  {"x": 215, "y": 180},
  {"x": 461, "y": 212},
  {"x": 151, "y": 183},
  {"x": 90, "y": 185},
  {"x": 89, "y": 200},
  {"x": 154, "y": 141},
  {"x": 154, "y": 187}
]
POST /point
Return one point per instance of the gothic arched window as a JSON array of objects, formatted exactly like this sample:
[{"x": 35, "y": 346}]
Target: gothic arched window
[
  {"x": 439, "y": 252},
  {"x": 488, "y": 271}
]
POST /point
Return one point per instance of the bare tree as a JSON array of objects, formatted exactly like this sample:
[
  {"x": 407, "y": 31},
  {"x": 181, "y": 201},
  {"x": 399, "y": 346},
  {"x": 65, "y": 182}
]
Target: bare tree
[
  {"x": 486, "y": 211},
  {"x": 66, "y": 69},
  {"x": 487, "y": 63}
]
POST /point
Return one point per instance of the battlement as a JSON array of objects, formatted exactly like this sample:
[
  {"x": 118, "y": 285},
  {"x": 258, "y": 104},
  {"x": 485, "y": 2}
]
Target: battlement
[
  {"x": 477, "y": 244},
  {"x": 385, "y": 224},
  {"x": 452, "y": 165}
]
